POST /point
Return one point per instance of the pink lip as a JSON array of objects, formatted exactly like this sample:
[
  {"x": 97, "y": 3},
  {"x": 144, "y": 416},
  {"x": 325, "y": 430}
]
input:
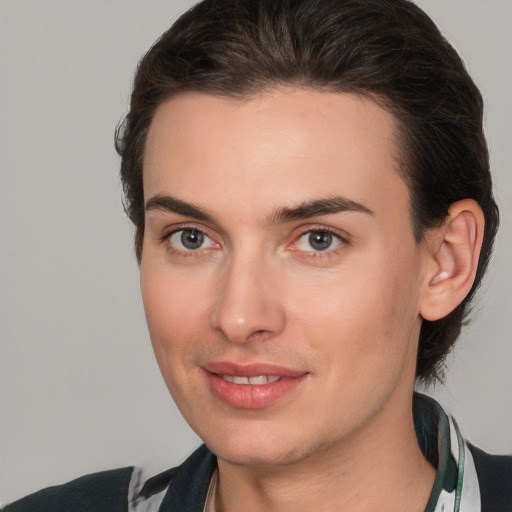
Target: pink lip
[
  {"x": 250, "y": 370},
  {"x": 250, "y": 396}
]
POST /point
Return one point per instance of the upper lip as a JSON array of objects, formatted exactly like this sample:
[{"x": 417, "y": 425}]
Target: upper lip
[{"x": 250, "y": 370}]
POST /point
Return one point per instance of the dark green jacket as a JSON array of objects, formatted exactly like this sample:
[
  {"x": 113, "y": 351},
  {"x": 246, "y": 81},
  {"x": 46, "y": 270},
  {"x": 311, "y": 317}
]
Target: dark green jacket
[
  {"x": 188, "y": 486},
  {"x": 101, "y": 492}
]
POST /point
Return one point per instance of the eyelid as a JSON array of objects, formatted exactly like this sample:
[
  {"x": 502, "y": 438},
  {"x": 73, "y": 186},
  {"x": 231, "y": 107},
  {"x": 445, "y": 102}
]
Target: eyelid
[
  {"x": 168, "y": 230},
  {"x": 339, "y": 233}
]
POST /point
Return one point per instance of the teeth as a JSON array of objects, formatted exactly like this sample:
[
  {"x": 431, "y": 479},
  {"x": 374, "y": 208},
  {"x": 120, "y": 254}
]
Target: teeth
[
  {"x": 260, "y": 379},
  {"x": 256, "y": 380}
]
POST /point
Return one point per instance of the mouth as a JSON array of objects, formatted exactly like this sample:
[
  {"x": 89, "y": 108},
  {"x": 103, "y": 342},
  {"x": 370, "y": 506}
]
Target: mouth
[{"x": 253, "y": 386}]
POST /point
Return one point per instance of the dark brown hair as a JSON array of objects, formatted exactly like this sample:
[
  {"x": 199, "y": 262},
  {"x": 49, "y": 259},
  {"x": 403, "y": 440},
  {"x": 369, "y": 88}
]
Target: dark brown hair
[{"x": 389, "y": 50}]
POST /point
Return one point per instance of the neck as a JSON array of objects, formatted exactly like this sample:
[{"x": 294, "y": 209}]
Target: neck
[{"x": 380, "y": 467}]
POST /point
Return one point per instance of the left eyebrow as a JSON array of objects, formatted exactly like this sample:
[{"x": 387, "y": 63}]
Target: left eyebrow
[{"x": 307, "y": 209}]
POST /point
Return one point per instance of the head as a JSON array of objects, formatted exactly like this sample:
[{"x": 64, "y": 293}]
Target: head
[{"x": 386, "y": 50}]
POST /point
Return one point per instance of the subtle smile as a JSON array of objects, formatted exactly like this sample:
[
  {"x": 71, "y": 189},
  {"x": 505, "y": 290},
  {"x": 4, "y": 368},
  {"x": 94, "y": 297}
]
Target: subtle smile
[{"x": 252, "y": 386}]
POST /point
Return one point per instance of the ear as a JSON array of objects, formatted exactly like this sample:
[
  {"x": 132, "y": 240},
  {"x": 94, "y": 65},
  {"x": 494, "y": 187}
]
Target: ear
[{"x": 453, "y": 249}]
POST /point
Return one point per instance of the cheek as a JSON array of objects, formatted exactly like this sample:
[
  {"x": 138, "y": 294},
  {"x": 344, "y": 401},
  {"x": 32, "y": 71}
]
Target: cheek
[
  {"x": 364, "y": 318},
  {"x": 177, "y": 318},
  {"x": 174, "y": 307}
]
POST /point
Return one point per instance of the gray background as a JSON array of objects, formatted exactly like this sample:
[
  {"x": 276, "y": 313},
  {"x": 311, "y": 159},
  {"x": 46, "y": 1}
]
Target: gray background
[{"x": 79, "y": 389}]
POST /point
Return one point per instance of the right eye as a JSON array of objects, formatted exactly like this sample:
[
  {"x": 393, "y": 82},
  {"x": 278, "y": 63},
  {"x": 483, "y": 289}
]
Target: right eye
[{"x": 189, "y": 239}]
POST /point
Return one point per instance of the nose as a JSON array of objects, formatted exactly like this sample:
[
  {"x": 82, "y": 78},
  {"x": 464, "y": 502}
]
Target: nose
[{"x": 248, "y": 306}]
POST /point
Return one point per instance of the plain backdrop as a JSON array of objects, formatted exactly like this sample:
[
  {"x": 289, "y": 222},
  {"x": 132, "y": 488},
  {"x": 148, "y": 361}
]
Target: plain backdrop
[{"x": 79, "y": 388}]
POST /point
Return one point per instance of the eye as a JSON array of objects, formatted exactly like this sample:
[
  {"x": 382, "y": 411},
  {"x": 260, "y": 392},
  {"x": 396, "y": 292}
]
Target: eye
[
  {"x": 318, "y": 241},
  {"x": 190, "y": 240}
]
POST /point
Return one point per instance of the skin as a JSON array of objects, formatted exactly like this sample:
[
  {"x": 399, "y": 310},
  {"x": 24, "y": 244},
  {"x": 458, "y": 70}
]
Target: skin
[{"x": 348, "y": 317}]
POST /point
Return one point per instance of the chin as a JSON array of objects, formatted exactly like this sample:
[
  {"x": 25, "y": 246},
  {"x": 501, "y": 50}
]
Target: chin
[
  {"x": 260, "y": 458},
  {"x": 246, "y": 449}
]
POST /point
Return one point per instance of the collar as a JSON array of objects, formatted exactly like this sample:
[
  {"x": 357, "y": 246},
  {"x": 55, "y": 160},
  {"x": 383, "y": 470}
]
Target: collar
[{"x": 456, "y": 487}]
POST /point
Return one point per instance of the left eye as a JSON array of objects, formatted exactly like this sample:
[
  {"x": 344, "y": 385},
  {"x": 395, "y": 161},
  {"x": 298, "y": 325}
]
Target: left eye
[
  {"x": 190, "y": 240},
  {"x": 318, "y": 241}
]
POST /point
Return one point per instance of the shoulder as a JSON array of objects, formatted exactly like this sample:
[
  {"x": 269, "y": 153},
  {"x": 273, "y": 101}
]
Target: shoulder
[
  {"x": 106, "y": 491},
  {"x": 495, "y": 479},
  {"x": 122, "y": 490}
]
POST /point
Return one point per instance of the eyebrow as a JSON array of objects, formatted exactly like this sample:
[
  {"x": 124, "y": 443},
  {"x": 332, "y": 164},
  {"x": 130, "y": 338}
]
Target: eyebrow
[
  {"x": 173, "y": 205},
  {"x": 306, "y": 210},
  {"x": 328, "y": 206}
]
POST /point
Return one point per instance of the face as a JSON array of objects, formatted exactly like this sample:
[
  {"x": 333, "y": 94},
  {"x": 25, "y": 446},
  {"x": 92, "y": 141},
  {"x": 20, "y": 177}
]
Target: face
[{"x": 280, "y": 276}]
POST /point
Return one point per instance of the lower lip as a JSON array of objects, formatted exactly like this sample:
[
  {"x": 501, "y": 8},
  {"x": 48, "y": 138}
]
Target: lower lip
[{"x": 250, "y": 396}]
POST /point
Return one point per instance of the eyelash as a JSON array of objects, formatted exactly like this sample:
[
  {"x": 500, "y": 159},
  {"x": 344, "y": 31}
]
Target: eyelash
[
  {"x": 327, "y": 253},
  {"x": 343, "y": 240}
]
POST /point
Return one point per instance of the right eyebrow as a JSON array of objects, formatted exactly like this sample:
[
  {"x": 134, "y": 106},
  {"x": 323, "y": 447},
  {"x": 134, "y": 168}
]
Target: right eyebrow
[{"x": 173, "y": 205}]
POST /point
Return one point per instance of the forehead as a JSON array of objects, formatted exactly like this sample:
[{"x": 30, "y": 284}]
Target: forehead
[{"x": 280, "y": 147}]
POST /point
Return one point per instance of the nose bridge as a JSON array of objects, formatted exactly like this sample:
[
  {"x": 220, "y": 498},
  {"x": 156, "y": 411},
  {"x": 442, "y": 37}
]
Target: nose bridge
[{"x": 248, "y": 299}]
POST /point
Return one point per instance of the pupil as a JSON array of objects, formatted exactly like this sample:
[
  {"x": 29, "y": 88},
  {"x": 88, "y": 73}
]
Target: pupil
[
  {"x": 320, "y": 240},
  {"x": 192, "y": 239}
]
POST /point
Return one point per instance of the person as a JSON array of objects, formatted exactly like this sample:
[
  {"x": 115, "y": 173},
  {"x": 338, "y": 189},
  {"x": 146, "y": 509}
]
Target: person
[{"x": 310, "y": 187}]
